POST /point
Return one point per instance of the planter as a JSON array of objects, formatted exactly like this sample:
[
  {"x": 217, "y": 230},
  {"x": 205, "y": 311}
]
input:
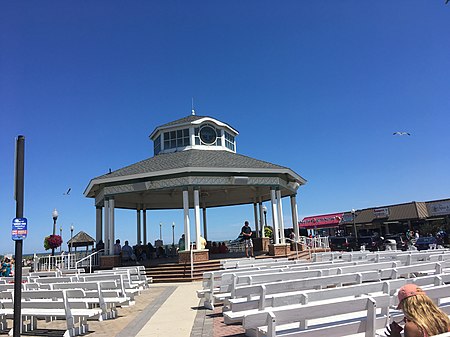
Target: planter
[
  {"x": 280, "y": 249},
  {"x": 197, "y": 255}
]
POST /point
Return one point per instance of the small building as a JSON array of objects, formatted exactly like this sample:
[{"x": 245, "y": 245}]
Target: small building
[{"x": 81, "y": 240}]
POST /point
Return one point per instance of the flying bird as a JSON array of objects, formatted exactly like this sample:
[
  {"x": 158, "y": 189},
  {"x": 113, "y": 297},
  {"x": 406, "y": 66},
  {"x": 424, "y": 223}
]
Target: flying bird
[
  {"x": 401, "y": 133},
  {"x": 68, "y": 192}
]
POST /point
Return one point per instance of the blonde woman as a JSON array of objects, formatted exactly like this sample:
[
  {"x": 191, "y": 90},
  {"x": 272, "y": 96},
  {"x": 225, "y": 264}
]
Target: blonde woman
[{"x": 422, "y": 317}]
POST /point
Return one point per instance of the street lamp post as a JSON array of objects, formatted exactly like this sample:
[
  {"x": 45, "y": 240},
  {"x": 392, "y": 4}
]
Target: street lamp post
[
  {"x": 71, "y": 236},
  {"x": 55, "y": 217},
  {"x": 354, "y": 223},
  {"x": 160, "y": 230},
  {"x": 173, "y": 234},
  {"x": 265, "y": 219},
  {"x": 60, "y": 234}
]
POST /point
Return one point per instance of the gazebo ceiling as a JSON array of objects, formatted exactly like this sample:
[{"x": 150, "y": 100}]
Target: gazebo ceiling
[{"x": 223, "y": 178}]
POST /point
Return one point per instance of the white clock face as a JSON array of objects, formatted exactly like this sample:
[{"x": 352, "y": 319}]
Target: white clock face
[{"x": 208, "y": 135}]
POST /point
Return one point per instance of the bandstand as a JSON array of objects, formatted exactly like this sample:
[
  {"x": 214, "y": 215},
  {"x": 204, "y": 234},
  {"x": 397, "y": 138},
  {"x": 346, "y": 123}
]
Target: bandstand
[{"x": 195, "y": 166}]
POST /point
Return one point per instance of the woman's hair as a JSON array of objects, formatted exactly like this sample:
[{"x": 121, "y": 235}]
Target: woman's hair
[{"x": 421, "y": 310}]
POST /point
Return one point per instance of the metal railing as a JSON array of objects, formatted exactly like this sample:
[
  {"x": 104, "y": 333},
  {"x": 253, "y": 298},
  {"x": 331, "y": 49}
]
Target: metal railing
[
  {"x": 93, "y": 259},
  {"x": 295, "y": 242},
  {"x": 67, "y": 261}
]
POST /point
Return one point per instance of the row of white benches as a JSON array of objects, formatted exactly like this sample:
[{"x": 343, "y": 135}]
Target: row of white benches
[
  {"x": 75, "y": 298},
  {"x": 366, "y": 314},
  {"x": 284, "y": 298},
  {"x": 222, "y": 284},
  {"x": 351, "y": 256}
]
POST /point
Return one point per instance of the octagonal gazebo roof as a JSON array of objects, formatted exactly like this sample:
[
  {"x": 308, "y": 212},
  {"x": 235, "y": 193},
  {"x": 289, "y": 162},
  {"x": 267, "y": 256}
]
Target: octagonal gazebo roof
[
  {"x": 194, "y": 152},
  {"x": 225, "y": 178}
]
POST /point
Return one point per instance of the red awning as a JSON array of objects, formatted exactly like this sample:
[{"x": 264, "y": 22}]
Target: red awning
[{"x": 327, "y": 220}]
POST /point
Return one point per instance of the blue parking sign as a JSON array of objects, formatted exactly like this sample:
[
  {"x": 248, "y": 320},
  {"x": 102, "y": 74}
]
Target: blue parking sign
[{"x": 19, "y": 229}]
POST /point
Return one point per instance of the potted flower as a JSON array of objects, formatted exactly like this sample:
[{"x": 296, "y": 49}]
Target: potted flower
[{"x": 52, "y": 242}]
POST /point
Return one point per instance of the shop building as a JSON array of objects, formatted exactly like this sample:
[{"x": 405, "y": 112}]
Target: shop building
[{"x": 428, "y": 217}]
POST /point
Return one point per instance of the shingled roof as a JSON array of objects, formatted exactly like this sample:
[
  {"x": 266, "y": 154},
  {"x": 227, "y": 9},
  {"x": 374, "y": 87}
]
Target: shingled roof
[
  {"x": 184, "y": 120},
  {"x": 82, "y": 239},
  {"x": 192, "y": 158}
]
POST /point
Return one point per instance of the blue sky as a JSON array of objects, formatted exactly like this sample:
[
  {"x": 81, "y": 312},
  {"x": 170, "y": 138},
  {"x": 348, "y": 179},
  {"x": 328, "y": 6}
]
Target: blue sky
[{"x": 318, "y": 86}]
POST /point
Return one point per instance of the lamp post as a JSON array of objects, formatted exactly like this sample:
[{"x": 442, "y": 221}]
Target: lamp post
[
  {"x": 71, "y": 236},
  {"x": 264, "y": 208},
  {"x": 354, "y": 223},
  {"x": 55, "y": 217},
  {"x": 160, "y": 230},
  {"x": 60, "y": 234},
  {"x": 173, "y": 234}
]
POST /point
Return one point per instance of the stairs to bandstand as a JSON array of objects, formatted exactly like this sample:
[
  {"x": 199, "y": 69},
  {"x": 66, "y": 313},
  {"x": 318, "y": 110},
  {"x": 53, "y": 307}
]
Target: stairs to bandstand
[{"x": 175, "y": 272}]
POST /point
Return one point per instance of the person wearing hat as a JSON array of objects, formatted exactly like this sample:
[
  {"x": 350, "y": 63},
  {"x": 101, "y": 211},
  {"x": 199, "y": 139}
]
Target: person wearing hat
[{"x": 423, "y": 318}]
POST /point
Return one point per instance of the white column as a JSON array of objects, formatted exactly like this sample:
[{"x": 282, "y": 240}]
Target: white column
[
  {"x": 144, "y": 216},
  {"x": 111, "y": 226},
  {"x": 280, "y": 216},
  {"x": 187, "y": 232},
  {"x": 98, "y": 224},
  {"x": 107, "y": 243},
  {"x": 255, "y": 211},
  {"x": 205, "y": 228},
  {"x": 197, "y": 217},
  {"x": 261, "y": 218},
  {"x": 138, "y": 226},
  {"x": 273, "y": 198},
  {"x": 294, "y": 216}
]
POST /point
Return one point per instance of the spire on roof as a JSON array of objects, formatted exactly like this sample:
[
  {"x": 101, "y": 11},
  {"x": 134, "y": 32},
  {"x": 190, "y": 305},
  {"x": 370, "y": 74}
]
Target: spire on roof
[{"x": 192, "y": 107}]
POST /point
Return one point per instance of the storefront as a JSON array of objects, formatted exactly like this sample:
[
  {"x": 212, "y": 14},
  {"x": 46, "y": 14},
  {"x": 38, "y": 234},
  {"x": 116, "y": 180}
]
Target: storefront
[
  {"x": 428, "y": 217},
  {"x": 391, "y": 219},
  {"x": 322, "y": 225}
]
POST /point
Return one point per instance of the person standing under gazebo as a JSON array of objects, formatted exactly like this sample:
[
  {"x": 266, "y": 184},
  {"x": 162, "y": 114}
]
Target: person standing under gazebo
[{"x": 247, "y": 235}]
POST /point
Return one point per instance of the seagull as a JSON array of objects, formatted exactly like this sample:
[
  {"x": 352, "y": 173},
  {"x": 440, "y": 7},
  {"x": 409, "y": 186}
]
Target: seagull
[
  {"x": 68, "y": 191},
  {"x": 398, "y": 133}
]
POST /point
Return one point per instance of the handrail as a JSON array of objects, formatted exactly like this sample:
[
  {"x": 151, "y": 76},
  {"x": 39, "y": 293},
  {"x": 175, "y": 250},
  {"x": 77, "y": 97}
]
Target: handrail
[
  {"x": 192, "y": 260},
  {"x": 296, "y": 244},
  {"x": 90, "y": 259}
]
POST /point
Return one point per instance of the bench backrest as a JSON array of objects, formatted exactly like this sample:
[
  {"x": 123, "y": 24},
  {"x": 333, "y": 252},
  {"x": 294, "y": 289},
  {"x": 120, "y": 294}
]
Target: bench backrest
[
  {"x": 301, "y": 313},
  {"x": 309, "y": 283}
]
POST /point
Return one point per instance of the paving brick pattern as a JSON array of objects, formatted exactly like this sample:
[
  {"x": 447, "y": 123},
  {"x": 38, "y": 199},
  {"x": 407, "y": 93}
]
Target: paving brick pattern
[
  {"x": 130, "y": 319},
  {"x": 209, "y": 323}
]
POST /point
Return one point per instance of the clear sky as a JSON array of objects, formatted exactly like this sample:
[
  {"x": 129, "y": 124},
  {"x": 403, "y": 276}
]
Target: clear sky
[{"x": 318, "y": 86}]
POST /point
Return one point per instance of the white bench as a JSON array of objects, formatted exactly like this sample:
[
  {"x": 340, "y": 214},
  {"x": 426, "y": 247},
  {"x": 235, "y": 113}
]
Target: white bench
[
  {"x": 103, "y": 294},
  {"x": 304, "y": 284},
  {"x": 50, "y": 304},
  {"x": 236, "y": 263},
  {"x": 128, "y": 289},
  {"x": 358, "y": 315}
]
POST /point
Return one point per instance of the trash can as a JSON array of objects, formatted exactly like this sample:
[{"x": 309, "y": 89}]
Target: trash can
[{"x": 390, "y": 244}]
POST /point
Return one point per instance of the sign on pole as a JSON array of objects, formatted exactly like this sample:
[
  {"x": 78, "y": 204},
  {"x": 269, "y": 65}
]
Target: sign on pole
[{"x": 19, "y": 229}]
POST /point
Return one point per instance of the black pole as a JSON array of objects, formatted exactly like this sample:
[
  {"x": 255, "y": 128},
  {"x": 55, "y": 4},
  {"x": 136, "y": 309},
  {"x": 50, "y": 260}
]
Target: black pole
[
  {"x": 54, "y": 230},
  {"x": 19, "y": 188}
]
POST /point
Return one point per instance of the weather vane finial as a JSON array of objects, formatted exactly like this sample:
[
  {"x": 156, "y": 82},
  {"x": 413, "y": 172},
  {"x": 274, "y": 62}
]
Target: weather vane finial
[{"x": 192, "y": 106}]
